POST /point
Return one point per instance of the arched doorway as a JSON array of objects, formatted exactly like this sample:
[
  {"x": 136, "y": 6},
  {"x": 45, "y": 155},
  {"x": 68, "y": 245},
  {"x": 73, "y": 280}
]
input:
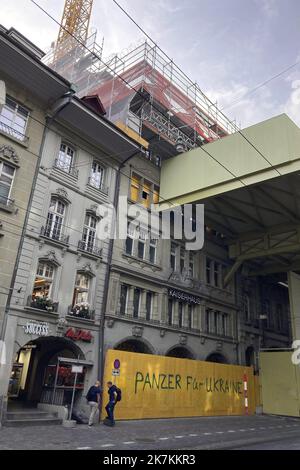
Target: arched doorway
[
  {"x": 250, "y": 356},
  {"x": 180, "y": 352},
  {"x": 216, "y": 357},
  {"x": 134, "y": 345},
  {"x": 42, "y": 372}
]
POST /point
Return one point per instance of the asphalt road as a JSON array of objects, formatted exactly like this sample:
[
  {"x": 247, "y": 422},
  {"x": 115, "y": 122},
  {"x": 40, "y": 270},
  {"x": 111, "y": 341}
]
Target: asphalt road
[{"x": 253, "y": 432}]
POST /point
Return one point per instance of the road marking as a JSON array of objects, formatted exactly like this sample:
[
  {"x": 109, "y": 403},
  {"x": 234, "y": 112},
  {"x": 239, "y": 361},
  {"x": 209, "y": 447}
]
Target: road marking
[
  {"x": 163, "y": 438},
  {"x": 252, "y": 429},
  {"x": 242, "y": 430},
  {"x": 193, "y": 435},
  {"x": 179, "y": 437},
  {"x": 108, "y": 445},
  {"x": 207, "y": 433},
  {"x": 83, "y": 448},
  {"x": 230, "y": 431},
  {"x": 220, "y": 432},
  {"x": 129, "y": 442}
]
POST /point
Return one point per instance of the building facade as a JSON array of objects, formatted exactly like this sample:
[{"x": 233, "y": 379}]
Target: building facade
[{"x": 53, "y": 319}]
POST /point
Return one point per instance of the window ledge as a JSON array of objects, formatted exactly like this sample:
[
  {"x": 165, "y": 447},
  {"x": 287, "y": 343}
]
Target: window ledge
[
  {"x": 135, "y": 259},
  {"x": 24, "y": 143},
  {"x": 40, "y": 311},
  {"x": 6, "y": 208},
  {"x": 78, "y": 319}
]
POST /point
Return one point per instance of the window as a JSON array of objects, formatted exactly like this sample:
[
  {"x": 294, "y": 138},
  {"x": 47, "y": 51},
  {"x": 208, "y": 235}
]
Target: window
[
  {"x": 149, "y": 297},
  {"x": 182, "y": 256},
  {"x": 97, "y": 175},
  {"x": 43, "y": 281},
  {"x": 7, "y": 173},
  {"x": 55, "y": 219},
  {"x": 192, "y": 264},
  {"x": 190, "y": 316},
  {"x": 173, "y": 256},
  {"x": 14, "y": 118},
  {"x": 207, "y": 320},
  {"x": 180, "y": 314},
  {"x": 65, "y": 158},
  {"x": 216, "y": 274},
  {"x": 208, "y": 271},
  {"x": 152, "y": 250},
  {"x": 123, "y": 299},
  {"x": 170, "y": 312},
  {"x": 135, "y": 187},
  {"x": 143, "y": 191},
  {"x": 136, "y": 302},
  {"x": 129, "y": 240},
  {"x": 141, "y": 244},
  {"x": 224, "y": 325},
  {"x": 81, "y": 290},
  {"x": 89, "y": 232}
]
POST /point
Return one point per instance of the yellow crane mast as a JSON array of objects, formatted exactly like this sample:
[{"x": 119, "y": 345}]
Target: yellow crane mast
[{"x": 74, "y": 25}]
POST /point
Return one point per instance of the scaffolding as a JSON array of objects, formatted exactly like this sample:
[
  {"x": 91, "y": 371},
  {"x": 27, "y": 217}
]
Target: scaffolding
[{"x": 142, "y": 88}]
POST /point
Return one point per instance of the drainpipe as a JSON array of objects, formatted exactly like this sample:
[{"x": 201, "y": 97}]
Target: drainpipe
[
  {"x": 68, "y": 95},
  {"x": 108, "y": 270}
]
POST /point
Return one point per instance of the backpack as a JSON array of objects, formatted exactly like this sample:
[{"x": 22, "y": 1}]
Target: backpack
[
  {"x": 88, "y": 395},
  {"x": 119, "y": 394}
]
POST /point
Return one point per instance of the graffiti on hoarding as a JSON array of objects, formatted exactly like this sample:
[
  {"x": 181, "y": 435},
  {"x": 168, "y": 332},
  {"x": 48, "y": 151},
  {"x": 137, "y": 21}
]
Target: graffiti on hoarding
[{"x": 178, "y": 382}]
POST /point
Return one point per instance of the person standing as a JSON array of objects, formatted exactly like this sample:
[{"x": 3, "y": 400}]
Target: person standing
[
  {"x": 94, "y": 399},
  {"x": 114, "y": 395}
]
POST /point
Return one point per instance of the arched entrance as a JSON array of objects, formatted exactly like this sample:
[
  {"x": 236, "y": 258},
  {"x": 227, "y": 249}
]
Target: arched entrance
[
  {"x": 134, "y": 345},
  {"x": 180, "y": 352},
  {"x": 216, "y": 357},
  {"x": 42, "y": 372}
]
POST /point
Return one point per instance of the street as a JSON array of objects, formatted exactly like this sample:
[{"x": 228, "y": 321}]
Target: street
[{"x": 235, "y": 432}]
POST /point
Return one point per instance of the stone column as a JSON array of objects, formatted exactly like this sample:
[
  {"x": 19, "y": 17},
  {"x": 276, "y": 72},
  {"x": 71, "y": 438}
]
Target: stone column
[
  {"x": 142, "y": 311},
  {"x": 130, "y": 301},
  {"x": 156, "y": 306},
  {"x": 175, "y": 312}
]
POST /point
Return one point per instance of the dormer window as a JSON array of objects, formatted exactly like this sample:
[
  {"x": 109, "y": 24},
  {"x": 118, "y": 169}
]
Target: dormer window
[{"x": 14, "y": 119}]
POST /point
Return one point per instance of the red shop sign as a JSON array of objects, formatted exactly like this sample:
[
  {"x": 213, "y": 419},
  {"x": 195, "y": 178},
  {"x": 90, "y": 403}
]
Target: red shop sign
[{"x": 79, "y": 335}]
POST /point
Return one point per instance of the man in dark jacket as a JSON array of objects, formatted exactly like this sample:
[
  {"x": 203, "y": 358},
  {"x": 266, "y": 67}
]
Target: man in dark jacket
[
  {"x": 112, "y": 394},
  {"x": 94, "y": 398}
]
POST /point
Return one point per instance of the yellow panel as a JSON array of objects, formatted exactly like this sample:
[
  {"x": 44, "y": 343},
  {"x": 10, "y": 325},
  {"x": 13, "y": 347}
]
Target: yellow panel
[
  {"x": 165, "y": 387},
  {"x": 280, "y": 388},
  {"x": 132, "y": 134},
  {"x": 135, "y": 188}
]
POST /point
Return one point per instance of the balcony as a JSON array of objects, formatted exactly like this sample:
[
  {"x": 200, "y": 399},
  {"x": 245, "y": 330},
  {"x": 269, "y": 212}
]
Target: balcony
[
  {"x": 81, "y": 311},
  {"x": 99, "y": 187},
  {"x": 89, "y": 249},
  {"x": 63, "y": 166},
  {"x": 55, "y": 235},
  {"x": 41, "y": 303},
  {"x": 7, "y": 204},
  {"x": 10, "y": 131}
]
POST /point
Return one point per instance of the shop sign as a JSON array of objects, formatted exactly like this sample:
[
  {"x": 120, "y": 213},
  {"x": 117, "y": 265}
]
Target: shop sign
[
  {"x": 79, "y": 335},
  {"x": 38, "y": 329},
  {"x": 77, "y": 369},
  {"x": 189, "y": 298},
  {"x": 116, "y": 372}
]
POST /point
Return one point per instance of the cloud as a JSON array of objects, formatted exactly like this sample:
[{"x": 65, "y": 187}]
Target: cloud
[
  {"x": 292, "y": 107},
  {"x": 268, "y": 7}
]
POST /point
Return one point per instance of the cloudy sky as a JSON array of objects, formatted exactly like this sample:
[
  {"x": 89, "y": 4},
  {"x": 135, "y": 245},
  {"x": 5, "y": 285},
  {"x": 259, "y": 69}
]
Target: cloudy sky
[{"x": 227, "y": 46}]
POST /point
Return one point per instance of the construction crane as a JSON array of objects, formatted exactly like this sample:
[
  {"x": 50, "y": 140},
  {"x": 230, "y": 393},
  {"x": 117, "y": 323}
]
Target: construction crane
[{"x": 74, "y": 26}]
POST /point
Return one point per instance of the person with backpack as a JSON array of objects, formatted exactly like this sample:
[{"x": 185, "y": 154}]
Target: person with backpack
[
  {"x": 94, "y": 399},
  {"x": 115, "y": 395}
]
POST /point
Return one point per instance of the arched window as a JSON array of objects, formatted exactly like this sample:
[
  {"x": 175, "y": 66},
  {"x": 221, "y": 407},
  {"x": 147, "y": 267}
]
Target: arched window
[{"x": 55, "y": 219}]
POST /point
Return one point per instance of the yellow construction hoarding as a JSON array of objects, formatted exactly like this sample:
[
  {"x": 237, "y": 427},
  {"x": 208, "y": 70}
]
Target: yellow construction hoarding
[
  {"x": 280, "y": 380},
  {"x": 166, "y": 387}
]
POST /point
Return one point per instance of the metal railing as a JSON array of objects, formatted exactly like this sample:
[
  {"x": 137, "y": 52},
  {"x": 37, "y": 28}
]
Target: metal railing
[
  {"x": 100, "y": 187},
  {"x": 42, "y": 304},
  {"x": 5, "y": 201},
  {"x": 88, "y": 248},
  {"x": 55, "y": 235},
  {"x": 81, "y": 312},
  {"x": 13, "y": 132},
  {"x": 69, "y": 169}
]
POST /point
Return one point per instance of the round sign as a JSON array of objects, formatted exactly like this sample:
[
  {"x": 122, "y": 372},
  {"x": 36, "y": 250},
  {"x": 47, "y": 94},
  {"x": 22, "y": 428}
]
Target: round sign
[{"x": 117, "y": 364}]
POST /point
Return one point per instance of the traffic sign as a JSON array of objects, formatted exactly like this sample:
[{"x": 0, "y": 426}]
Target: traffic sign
[
  {"x": 117, "y": 364},
  {"x": 116, "y": 372}
]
